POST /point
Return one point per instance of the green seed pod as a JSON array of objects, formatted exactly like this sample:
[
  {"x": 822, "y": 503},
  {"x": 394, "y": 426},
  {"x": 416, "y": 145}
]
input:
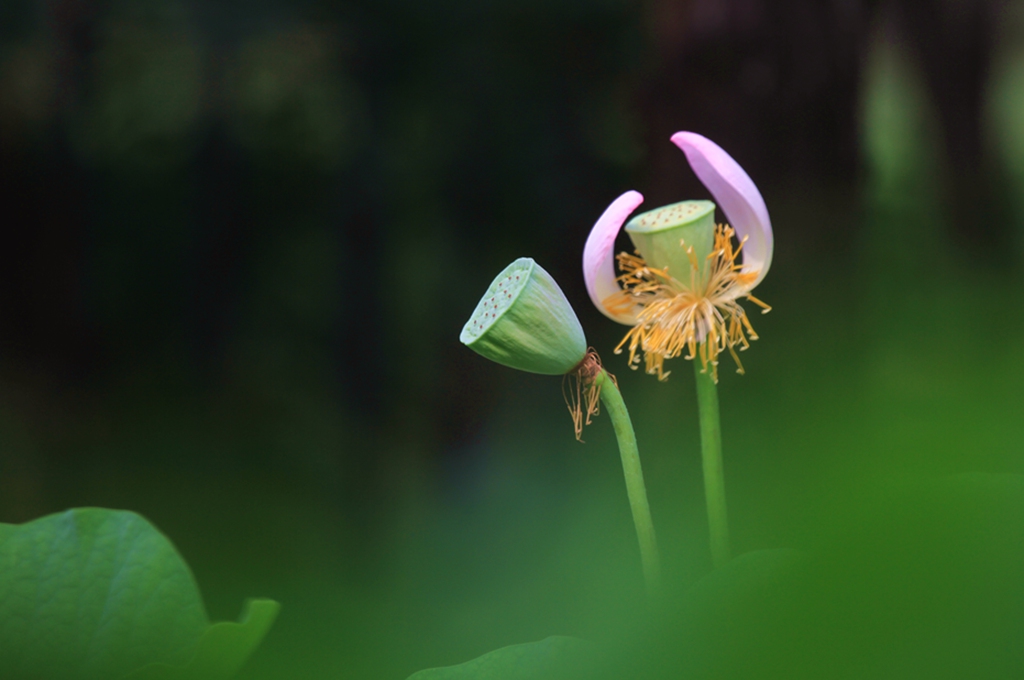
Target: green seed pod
[
  {"x": 657, "y": 235},
  {"x": 524, "y": 321}
]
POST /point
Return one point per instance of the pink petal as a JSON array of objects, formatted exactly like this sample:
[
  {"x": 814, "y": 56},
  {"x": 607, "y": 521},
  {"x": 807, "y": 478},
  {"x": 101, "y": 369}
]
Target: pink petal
[
  {"x": 599, "y": 254},
  {"x": 736, "y": 195}
]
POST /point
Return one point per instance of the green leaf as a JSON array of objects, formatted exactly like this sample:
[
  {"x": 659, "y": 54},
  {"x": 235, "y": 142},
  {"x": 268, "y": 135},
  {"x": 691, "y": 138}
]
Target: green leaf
[
  {"x": 223, "y": 648},
  {"x": 95, "y": 594},
  {"x": 564, "y": 658}
]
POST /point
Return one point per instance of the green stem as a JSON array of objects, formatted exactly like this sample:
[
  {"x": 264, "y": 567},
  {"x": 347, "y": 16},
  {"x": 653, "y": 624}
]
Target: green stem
[
  {"x": 635, "y": 489},
  {"x": 711, "y": 452}
]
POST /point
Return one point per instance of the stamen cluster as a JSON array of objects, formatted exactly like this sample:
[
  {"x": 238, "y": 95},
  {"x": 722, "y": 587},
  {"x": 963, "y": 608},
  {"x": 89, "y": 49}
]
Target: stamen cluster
[
  {"x": 582, "y": 391},
  {"x": 701, "y": 316}
]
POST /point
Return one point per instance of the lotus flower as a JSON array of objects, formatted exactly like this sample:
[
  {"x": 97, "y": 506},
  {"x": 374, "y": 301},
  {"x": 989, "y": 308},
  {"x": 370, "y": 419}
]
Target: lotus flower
[{"x": 681, "y": 293}]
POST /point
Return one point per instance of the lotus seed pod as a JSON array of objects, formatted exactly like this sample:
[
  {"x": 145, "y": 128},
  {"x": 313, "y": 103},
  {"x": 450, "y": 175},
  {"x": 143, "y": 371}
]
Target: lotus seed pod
[
  {"x": 524, "y": 321},
  {"x": 657, "y": 235}
]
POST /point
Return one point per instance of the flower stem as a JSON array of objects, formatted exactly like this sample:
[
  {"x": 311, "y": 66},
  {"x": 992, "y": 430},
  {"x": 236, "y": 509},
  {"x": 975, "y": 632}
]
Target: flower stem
[
  {"x": 711, "y": 452},
  {"x": 635, "y": 489}
]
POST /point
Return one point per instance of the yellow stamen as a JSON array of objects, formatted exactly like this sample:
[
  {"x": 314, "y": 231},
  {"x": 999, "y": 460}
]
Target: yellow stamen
[{"x": 701, "y": 317}]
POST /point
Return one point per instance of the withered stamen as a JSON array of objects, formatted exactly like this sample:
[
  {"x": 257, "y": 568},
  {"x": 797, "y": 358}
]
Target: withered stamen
[{"x": 582, "y": 392}]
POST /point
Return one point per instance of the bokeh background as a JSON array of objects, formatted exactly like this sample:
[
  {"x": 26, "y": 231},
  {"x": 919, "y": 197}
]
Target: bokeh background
[{"x": 241, "y": 238}]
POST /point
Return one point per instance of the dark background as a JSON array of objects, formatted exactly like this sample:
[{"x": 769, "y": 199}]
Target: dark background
[{"x": 240, "y": 240}]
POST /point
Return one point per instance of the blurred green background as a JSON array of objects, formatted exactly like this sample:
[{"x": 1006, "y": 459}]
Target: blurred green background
[{"x": 241, "y": 238}]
